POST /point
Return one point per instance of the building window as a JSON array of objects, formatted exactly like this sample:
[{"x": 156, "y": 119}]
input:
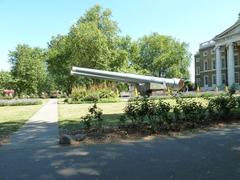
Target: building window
[
  {"x": 236, "y": 77},
  {"x": 236, "y": 60},
  {"x": 223, "y": 78},
  {"x": 223, "y": 62},
  {"x": 197, "y": 59},
  {"x": 213, "y": 64},
  {"x": 212, "y": 51},
  {"x": 198, "y": 70},
  {"x": 205, "y": 65},
  {"x": 206, "y": 80},
  {"x": 205, "y": 53},
  {"x": 214, "y": 79}
]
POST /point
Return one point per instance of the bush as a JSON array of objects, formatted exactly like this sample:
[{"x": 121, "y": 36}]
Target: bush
[
  {"x": 186, "y": 111},
  {"x": 95, "y": 115},
  {"x": 78, "y": 93},
  {"x": 156, "y": 112},
  {"x": 93, "y": 97},
  {"x": 193, "y": 111},
  {"x": 81, "y": 95},
  {"x": 20, "y": 102},
  {"x": 238, "y": 101},
  {"x": 132, "y": 111},
  {"x": 232, "y": 89},
  {"x": 220, "y": 107},
  {"x": 107, "y": 93},
  {"x": 162, "y": 110}
]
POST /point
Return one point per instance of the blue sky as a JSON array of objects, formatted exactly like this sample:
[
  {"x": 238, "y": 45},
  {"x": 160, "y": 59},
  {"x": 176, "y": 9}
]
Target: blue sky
[{"x": 35, "y": 22}]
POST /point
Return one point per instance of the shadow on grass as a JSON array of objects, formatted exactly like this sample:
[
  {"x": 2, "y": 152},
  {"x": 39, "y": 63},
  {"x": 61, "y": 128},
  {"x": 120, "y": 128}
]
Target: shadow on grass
[
  {"x": 9, "y": 127},
  {"x": 74, "y": 124}
]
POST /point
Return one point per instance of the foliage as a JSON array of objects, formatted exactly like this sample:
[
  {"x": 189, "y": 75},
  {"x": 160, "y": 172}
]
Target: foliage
[
  {"x": 95, "y": 115},
  {"x": 95, "y": 93},
  {"x": 220, "y": 107},
  {"x": 94, "y": 41},
  {"x": 19, "y": 102},
  {"x": 193, "y": 111},
  {"x": 232, "y": 89},
  {"x": 164, "y": 55},
  {"x": 238, "y": 101},
  {"x": 6, "y": 80},
  {"x": 189, "y": 112},
  {"x": 78, "y": 93},
  {"x": 28, "y": 68},
  {"x": 156, "y": 112}
]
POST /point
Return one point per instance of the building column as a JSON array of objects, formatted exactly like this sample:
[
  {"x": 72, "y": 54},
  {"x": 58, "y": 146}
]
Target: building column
[
  {"x": 218, "y": 67},
  {"x": 230, "y": 64}
]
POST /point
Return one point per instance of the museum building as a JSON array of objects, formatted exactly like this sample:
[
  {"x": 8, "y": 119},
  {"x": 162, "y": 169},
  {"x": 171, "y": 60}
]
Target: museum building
[{"x": 217, "y": 63}]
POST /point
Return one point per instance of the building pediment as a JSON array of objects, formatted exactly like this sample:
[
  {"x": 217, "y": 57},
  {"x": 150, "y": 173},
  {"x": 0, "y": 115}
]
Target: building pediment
[{"x": 234, "y": 29}]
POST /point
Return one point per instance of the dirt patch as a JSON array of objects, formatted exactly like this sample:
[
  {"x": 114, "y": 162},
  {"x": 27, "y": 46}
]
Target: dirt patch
[
  {"x": 3, "y": 140},
  {"x": 131, "y": 134}
]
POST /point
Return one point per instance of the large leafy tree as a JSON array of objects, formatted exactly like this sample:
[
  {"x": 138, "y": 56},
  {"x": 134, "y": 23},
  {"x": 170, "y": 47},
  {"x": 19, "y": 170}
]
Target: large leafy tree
[
  {"x": 92, "y": 42},
  {"x": 6, "y": 80},
  {"x": 59, "y": 62},
  {"x": 164, "y": 56},
  {"x": 28, "y": 68}
]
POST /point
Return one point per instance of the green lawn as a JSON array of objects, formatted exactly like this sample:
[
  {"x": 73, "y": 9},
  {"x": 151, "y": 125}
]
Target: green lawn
[
  {"x": 69, "y": 114},
  {"x": 13, "y": 117}
]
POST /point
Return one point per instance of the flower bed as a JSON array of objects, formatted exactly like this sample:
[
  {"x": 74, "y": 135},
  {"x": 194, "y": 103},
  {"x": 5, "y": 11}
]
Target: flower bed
[{"x": 19, "y": 102}]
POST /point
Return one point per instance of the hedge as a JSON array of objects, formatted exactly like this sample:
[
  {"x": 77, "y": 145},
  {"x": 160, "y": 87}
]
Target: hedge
[{"x": 19, "y": 102}]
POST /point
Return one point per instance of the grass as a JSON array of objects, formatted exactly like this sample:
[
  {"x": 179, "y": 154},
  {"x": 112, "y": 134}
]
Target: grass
[
  {"x": 13, "y": 117},
  {"x": 69, "y": 114}
]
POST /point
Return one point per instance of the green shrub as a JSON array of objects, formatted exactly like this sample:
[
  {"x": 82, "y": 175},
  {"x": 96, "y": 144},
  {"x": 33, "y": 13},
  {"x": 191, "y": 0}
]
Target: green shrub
[
  {"x": 122, "y": 119},
  {"x": 107, "y": 93},
  {"x": 162, "y": 110},
  {"x": 94, "y": 116},
  {"x": 238, "y": 101},
  {"x": 232, "y": 89},
  {"x": 220, "y": 107},
  {"x": 81, "y": 95},
  {"x": 92, "y": 97},
  {"x": 132, "y": 111},
  {"x": 186, "y": 111},
  {"x": 78, "y": 93},
  {"x": 193, "y": 111}
]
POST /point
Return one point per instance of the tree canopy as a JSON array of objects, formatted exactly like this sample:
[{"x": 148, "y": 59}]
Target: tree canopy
[
  {"x": 94, "y": 41},
  {"x": 164, "y": 56},
  {"x": 28, "y": 68}
]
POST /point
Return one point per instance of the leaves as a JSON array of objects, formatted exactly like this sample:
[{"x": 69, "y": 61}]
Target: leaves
[{"x": 28, "y": 68}]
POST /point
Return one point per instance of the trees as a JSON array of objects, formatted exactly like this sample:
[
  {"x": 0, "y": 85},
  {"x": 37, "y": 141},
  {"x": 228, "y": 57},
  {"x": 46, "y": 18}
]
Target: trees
[
  {"x": 28, "y": 68},
  {"x": 6, "y": 80},
  {"x": 164, "y": 56},
  {"x": 94, "y": 42}
]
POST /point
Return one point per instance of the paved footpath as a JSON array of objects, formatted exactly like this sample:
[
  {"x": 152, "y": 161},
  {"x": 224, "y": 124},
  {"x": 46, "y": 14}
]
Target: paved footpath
[
  {"x": 41, "y": 130},
  {"x": 35, "y": 154}
]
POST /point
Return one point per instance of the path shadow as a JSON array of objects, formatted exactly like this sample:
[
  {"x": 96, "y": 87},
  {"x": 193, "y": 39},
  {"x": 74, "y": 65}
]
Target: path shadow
[{"x": 209, "y": 155}]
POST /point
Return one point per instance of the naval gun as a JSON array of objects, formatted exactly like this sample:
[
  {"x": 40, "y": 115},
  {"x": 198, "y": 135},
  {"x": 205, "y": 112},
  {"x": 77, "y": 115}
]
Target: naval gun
[{"x": 146, "y": 85}]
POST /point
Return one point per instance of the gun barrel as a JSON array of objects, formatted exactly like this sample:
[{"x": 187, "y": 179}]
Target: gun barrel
[{"x": 126, "y": 77}]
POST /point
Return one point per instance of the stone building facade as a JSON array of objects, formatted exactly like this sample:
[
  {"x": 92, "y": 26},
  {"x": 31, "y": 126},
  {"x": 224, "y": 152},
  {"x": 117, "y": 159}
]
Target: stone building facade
[{"x": 217, "y": 63}]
